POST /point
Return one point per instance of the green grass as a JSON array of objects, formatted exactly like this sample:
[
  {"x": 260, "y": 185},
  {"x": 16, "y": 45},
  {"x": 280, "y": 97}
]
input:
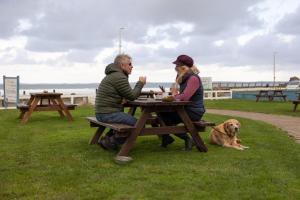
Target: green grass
[
  {"x": 49, "y": 158},
  {"x": 275, "y": 107}
]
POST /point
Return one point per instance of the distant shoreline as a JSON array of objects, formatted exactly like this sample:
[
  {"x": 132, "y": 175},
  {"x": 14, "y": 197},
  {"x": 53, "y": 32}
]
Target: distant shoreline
[
  {"x": 95, "y": 85},
  {"x": 24, "y": 86}
]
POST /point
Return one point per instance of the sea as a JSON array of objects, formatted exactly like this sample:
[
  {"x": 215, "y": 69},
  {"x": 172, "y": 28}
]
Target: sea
[{"x": 77, "y": 88}]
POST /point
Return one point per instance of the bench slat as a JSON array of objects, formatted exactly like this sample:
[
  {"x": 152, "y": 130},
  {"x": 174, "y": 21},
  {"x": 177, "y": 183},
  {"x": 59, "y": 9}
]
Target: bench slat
[
  {"x": 25, "y": 107},
  {"x": 115, "y": 126}
]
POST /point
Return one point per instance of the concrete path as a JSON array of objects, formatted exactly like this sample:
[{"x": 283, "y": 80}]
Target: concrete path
[{"x": 286, "y": 123}]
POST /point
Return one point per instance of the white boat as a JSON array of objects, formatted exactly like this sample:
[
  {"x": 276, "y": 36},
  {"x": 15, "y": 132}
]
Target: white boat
[{"x": 295, "y": 84}]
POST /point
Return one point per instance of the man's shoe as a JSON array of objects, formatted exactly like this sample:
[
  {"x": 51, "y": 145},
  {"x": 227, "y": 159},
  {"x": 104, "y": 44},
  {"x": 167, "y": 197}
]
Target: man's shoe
[
  {"x": 188, "y": 144},
  {"x": 121, "y": 160},
  {"x": 107, "y": 143},
  {"x": 166, "y": 140},
  {"x": 102, "y": 144}
]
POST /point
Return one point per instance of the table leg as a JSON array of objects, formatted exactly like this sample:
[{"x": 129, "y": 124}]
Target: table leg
[
  {"x": 22, "y": 111},
  {"x": 30, "y": 100},
  {"x": 64, "y": 108},
  {"x": 132, "y": 137},
  {"x": 295, "y": 107},
  {"x": 22, "y": 114},
  {"x": 30, "y": 110},
  {"x": 161, "y": 124},
  {"x": 56, "y": 104},
  {"x": 191, "y": 128},
  {"x": 97, "y": 135},
  {"x": 132, "y": 111}
]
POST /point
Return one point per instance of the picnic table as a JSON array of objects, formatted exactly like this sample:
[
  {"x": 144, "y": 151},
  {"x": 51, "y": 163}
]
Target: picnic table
[
  {"x": 270, "y": 95},
  {"x": 149, "y": 108},
  {"x": 296, "y": 102},
  {"x": 45, "y": 102}
]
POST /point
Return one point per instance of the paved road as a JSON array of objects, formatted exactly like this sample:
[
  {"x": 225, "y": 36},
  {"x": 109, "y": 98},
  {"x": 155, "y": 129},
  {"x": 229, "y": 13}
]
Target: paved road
[{"x": 289, "y": 124}]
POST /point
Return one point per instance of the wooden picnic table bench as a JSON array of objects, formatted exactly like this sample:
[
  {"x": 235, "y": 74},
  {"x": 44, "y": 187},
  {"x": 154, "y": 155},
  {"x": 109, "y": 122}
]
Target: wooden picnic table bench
[
  {"x": 25, "y": 107},
  {"x": 148, "y": 108},
  {"x": 270, "y": 95},
  {"x": 45, "y": 102},
  {"x": 124, "y": 129}
]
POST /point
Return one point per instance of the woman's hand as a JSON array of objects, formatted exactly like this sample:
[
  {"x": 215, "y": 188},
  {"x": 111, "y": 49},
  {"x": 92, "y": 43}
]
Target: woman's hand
[{"x": 174, "y": 90}]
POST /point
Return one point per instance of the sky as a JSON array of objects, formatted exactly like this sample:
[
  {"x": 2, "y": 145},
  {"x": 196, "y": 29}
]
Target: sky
[{"x": 72, "y": 41}]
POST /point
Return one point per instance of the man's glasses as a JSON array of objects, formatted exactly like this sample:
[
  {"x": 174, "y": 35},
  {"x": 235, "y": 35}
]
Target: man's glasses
[{"x": 129, "y": 64}]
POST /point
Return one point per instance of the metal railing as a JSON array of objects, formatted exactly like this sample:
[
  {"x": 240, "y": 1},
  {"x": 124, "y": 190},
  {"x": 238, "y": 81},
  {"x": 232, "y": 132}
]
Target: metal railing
[
  {"x": 230, "y": 85},
  {"x": 218, "y": 94}
]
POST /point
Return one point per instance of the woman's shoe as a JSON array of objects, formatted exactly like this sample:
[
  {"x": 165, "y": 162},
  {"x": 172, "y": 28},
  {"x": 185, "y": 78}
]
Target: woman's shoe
[
  {"x": 166, "y": 140},
  {"x": 188, "y": 144}
]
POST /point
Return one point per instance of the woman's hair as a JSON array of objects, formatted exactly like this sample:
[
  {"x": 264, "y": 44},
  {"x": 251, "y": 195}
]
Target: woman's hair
[
  {"x": 183, "y": 70},
  {"x": 195, "y": 70},
  {"x": 121, "y": 59}
]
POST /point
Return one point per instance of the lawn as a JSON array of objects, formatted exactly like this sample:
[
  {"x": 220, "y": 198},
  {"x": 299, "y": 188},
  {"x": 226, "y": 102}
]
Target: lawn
[
  {"x": 274, "y": 107},
  {"x": 49, "y": 158}
]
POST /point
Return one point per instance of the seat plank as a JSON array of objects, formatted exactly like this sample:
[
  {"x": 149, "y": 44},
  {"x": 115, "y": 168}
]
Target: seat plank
[
  {"x": 200, "y": 125},
  {"x": 115, "y": 126},
  {"x": 25, "y": 107}
]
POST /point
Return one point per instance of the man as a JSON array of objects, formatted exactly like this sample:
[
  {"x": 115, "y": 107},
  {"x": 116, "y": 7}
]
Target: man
[{"x": 113, "y": 89}]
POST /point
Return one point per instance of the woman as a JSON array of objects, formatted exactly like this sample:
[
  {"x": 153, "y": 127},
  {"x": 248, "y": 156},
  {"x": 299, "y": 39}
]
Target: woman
[{"x": 190, "y": 89}]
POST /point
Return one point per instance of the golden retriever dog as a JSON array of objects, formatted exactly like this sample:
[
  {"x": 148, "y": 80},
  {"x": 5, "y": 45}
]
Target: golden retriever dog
[{"x": 225, "y": 134}]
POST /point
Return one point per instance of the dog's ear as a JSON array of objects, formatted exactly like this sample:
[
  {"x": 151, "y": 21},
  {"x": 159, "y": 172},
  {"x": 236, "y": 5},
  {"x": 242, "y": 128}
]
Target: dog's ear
[
  {"x": 239, "y": 124},
  {"x": 226, "y": 127}
]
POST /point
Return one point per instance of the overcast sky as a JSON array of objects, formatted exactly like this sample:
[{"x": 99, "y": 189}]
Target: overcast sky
[{"x": 71, "y": 41}]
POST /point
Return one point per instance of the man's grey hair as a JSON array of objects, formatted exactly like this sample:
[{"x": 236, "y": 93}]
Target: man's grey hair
[{"x": 122, "y": 59}]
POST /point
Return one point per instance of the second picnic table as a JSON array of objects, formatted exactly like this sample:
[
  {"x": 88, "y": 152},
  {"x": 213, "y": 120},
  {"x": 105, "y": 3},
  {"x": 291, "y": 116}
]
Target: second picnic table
[
  {"x": 45, "y": 102},
  {"x": 270, "y": 95}
]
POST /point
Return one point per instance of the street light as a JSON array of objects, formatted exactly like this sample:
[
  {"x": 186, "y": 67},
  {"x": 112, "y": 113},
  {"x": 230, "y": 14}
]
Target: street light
[{"x": 120, "y": 39}]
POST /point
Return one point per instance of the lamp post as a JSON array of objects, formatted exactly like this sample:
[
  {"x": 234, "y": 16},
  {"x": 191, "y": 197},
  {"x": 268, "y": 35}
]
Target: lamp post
[
  {"x": 120, "y": 39},
  {"x": 274, "y": 67}
]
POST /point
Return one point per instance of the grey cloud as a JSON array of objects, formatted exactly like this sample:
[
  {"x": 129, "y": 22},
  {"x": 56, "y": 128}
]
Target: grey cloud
[
  {"x": 94, "y": 24},
  {"x": 11, "y": 11},
  {"x": 290, "y": 24},
  {"x": 260, "y": 52},
  {"x": 84, "y": 28},
  {"x": 82, "y": 56}
]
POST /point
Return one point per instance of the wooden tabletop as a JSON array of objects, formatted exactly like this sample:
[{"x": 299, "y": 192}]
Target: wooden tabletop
[{"x": 45, "y": 94}]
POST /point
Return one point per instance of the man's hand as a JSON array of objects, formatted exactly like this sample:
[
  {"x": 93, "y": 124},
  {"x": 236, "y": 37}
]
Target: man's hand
[{"x": 142, "y": 79}]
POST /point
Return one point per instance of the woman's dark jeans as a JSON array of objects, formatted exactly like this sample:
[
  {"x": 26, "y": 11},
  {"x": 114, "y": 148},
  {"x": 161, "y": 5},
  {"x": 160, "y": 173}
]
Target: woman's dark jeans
[{"x": 172, "y": 118}]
